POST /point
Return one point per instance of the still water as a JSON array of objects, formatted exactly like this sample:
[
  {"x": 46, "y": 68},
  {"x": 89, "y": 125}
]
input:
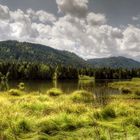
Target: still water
[
  {"x": 99, "y": 88},
  {"x": 67, "y": 86}
]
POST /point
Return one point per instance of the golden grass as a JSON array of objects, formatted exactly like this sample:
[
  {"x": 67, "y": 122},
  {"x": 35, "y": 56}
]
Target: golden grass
[{"x": 73, "y": 116}]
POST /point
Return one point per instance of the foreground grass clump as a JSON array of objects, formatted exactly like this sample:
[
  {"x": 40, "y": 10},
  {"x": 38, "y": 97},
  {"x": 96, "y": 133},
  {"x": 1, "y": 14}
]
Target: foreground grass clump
[
  {"x": 82, "y": 96},
  {"x": 69, "y": 116},
  {"x": 63, "y": 122},
  {"x": 85, "y": 77},
  {"x": 108, "y": 112},
  {"x": 15, "y": 92},
  {"x": 128, "y": 87},
  {"x": 54, "y": 92}
]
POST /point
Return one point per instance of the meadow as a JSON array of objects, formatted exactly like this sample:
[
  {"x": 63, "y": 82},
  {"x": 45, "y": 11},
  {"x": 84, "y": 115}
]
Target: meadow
[{"x": 55, "y": 115}]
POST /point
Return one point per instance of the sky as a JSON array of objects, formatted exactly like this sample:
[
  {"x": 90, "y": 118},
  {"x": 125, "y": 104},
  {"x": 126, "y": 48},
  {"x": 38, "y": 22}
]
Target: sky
[{"x": 89, "y": 28}]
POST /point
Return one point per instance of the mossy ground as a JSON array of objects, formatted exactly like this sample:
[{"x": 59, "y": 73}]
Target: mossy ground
[{"x": 75, "y": 116}]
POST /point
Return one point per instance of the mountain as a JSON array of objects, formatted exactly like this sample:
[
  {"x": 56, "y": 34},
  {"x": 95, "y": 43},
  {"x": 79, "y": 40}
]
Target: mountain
[
  {"x": 23, "y": 51},
  {"x": 114, "y": 62}
]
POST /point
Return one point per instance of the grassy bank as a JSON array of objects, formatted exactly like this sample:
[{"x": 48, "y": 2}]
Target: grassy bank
[
  {"x": 128, "y": 89},
  {"x": 84, "y": 77},
  {"x": 56, "y": 115}
]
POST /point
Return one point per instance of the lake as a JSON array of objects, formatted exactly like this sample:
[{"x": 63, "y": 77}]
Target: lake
[{"x": 67, "y": 86}]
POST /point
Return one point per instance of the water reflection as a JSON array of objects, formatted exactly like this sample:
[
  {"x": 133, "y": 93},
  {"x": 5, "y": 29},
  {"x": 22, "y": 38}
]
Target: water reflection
[
  {"x": 99, "y": 87},
  {"x": 102, "y": 95}
]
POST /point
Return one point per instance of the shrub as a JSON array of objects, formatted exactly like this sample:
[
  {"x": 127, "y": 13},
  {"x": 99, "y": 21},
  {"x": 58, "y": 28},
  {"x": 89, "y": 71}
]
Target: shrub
[
  {"x": 108, "y": 112},
  {"x": 54, "y": 92},
  {"x": 15, "y": 92}
]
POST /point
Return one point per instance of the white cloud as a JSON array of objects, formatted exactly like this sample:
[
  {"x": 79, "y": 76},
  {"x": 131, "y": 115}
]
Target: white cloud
[
  {"x": 88, "y": 34},
  {"x": 131, "y": 41},
  {"x": 78, "y": 8},
  {"x": 4, "y": 12},
  {"x": 96, "y": 19},
  {"x": 136, "y": 18},
  {"x": 41, "y": 16}
]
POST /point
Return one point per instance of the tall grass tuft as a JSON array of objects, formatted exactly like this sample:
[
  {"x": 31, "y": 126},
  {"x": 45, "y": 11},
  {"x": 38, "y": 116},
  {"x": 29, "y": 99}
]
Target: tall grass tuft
[
  {"x": 108, "y": 112},
  {"x": 82, "y": 96},
  {"x": 54, "y": 92}
]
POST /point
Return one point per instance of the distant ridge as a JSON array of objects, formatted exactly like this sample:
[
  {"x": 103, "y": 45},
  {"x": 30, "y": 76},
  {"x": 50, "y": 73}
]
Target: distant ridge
[
  {"x": 114, "y": 62},
  {"x": 30, "y": 52}
]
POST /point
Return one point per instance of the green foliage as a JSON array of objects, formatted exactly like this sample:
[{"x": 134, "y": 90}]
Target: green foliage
[
  {"x": 114, "y": 62},
  {"x": 29, "y": 52},
  {"x": 34, "y": 71},
  {"x": 4, "y": 81}
]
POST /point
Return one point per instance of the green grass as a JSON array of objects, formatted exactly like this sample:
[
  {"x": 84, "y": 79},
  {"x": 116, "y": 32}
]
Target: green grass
[
  {"x": 56, "y": 115},
  {"x": 54, "y": 92},
  {"x": 84, "y": 77},
  {"x": 15, "y": 92},
  {"x": 131, "y": 88}
]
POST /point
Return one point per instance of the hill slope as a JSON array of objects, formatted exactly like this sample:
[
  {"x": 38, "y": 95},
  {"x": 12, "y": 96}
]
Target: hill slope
[
  {"x": 114, "y": 62},
  {"x": 13, "y": 50}
]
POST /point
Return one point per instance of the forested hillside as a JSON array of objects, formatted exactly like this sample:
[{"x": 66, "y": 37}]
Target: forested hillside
[
  {"x": 23, "y": 51},
  {"x": 114, "y": 62}
]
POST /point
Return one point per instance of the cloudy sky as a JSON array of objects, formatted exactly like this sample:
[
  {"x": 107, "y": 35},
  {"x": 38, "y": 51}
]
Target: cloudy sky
[{"x": 90, "y": 28}]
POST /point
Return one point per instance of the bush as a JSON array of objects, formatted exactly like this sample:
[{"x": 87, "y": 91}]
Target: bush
[
  {"x": 15, "y": 92},
  {"x": 54, "y": 92},
  {"x": 108, "y": 112}
]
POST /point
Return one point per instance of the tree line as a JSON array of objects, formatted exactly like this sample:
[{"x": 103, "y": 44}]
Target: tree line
[
  {"x": 39, "y": 71},
  {"x": 35, "y": 71}
]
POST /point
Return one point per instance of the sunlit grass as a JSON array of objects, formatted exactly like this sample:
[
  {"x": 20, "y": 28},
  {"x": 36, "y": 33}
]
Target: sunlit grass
[
  {"x": 85, "y": 77},
  {"x": 37, "y": 116}
]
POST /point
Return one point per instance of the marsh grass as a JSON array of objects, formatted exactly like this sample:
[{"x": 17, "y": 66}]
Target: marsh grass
[
  {"x": 82, "y": 96},
  {"x": 84, "y": 77},
  {"x": 15, "y": 92},
  {"x": 130, "y": 88},
  {"x": 66, "y": 116},
  {"x": 54, "y": 92}
]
